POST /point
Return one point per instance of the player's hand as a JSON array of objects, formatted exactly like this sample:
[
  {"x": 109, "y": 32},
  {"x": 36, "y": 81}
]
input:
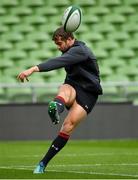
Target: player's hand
[{"x": 24, "y": 75}]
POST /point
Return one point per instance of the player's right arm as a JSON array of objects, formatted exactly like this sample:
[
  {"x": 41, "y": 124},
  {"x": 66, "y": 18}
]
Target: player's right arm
[{"x": 24, "y": 75}]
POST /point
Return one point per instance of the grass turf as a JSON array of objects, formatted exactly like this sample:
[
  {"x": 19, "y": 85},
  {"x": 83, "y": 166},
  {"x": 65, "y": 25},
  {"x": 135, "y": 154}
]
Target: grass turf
[{"x": 108, "y": 159}]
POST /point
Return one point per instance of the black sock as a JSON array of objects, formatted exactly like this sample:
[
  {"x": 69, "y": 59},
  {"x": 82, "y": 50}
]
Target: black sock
[
  {"x": 55, "y": 147},
  {"x": 60, "y": 103}
]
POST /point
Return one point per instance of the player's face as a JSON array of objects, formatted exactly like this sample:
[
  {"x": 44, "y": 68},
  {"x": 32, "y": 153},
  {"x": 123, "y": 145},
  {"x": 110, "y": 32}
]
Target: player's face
[{"x": 62, "y": 45}]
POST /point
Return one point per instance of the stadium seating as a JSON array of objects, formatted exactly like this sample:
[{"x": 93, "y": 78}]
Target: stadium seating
[
  {"x": 110, "y": 2},
  {"x": 47, "y": 11},
  {"x": 109, "y": 27},
  {"x": 5, "y": 45},
  {"x": 59, "y": 3},
  {"x": 99, "y": 10},
  {"x": 126, "y": 10},
  {"x": 103, "y": 28},
  {"x": 22, "y": 95},
  {"x": 8, "y": 3},
  {"x": 84, "y": 3},
  {"x": 34, "y": 3},
  {"x": 6, "y": 63},
  {"x": 21, "y": 11},
  {"x": 3, "y": 28},
  {"x": 22, "y": 29},
  {"x": 2, "y": 11},
  {"x": 12, "y": 36}
]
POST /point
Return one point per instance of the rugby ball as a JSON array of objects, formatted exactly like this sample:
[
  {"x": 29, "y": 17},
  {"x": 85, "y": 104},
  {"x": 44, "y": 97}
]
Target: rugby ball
[{"x": 71, "y": 18}]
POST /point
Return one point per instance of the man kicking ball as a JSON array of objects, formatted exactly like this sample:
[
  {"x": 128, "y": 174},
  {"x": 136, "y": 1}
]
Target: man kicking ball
[{"x": 78, "y": 93}]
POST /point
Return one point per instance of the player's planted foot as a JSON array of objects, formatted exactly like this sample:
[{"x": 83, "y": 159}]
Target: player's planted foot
[
  {"x": 40, "y": 168},
  {"x": 53, "y": 112}
]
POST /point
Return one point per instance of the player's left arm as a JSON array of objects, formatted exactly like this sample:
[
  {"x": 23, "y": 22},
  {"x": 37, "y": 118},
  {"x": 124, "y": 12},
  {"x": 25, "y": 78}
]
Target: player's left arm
[{"x": 73, "y": 56}]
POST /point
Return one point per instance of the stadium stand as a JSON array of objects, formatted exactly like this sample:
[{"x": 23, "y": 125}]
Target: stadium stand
[
  {"x": 8, "y": 3},
  {"x": 109, "y": 27}
]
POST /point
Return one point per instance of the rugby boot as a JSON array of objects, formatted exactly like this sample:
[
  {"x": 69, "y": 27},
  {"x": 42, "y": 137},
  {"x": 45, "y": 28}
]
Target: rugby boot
[
  {"x": 40, "y": 168},
  {"x": 53, "y": 112}
]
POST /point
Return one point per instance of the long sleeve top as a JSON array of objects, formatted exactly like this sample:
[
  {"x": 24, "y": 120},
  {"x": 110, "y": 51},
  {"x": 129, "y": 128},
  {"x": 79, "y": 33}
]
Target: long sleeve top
[{"x": 80, "y": 65}]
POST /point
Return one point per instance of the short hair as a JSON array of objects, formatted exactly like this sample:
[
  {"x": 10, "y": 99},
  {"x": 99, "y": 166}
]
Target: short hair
[{"x": 60, "y": 32}]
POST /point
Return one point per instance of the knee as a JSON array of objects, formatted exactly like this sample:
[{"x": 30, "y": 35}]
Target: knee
[
  {"x": 64, "y": 92},
  {"x": 68, "y": 93}
]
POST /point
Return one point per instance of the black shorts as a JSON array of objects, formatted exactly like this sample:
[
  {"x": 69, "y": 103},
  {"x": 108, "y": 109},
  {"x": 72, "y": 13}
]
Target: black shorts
[{"x": 85, "y": 99}]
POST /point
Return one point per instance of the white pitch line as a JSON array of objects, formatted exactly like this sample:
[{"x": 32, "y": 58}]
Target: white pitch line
[
  {"x": 99, "y": 173},
  {"x": 74, "y": 165},
  {"x": 75, "y": 155},
  {"x": 98, "y": 164},
  {"x": 78, "y": 172},
  {"x": 99, "y": 154},
  {"x": 16, "y": 167}
]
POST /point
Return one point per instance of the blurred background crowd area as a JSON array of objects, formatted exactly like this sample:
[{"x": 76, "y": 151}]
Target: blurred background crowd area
[{"x": 109, "y": 27}]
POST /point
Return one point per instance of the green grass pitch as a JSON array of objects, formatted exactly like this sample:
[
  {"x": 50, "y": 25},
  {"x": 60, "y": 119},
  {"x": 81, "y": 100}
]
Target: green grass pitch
[{"x": 93, "y": 159}]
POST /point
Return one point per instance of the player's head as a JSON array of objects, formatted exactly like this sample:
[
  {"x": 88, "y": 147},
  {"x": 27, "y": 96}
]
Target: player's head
[{"x": 63, "y": 40}]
